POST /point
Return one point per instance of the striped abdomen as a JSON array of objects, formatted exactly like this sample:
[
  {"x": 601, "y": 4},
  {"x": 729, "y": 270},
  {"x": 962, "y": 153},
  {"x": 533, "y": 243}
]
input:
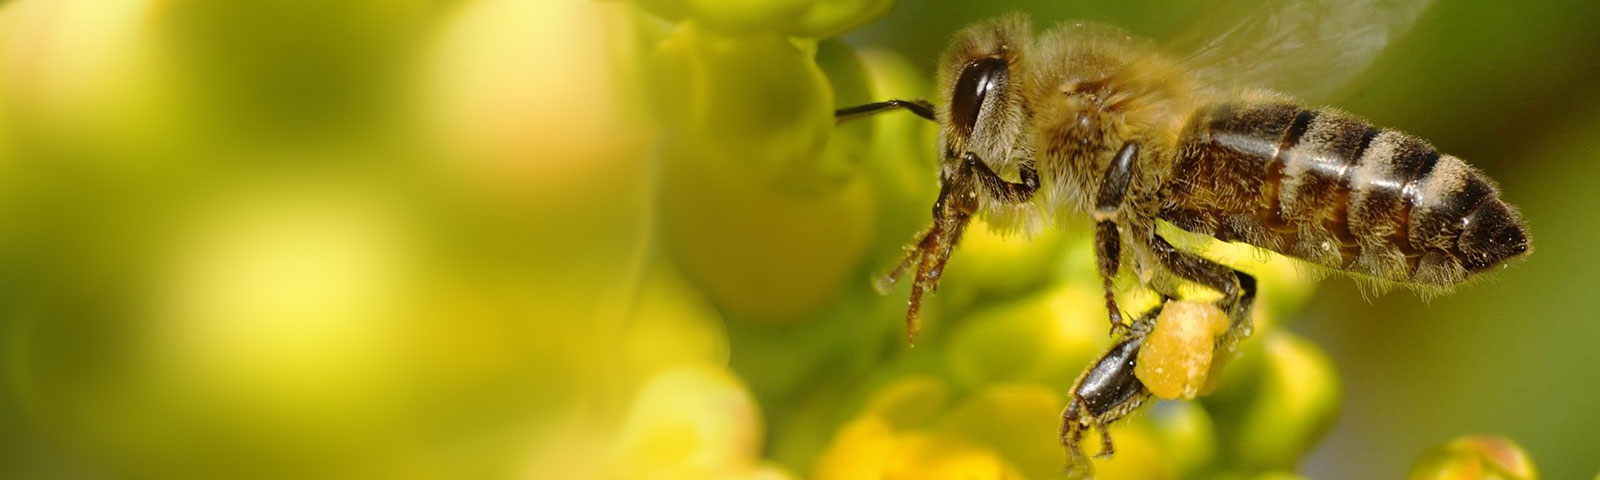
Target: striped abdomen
[{"x": 1332, "y": 189}]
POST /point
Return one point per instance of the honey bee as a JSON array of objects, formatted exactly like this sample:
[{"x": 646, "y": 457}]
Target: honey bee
[{"x": 1086, "y": 118}]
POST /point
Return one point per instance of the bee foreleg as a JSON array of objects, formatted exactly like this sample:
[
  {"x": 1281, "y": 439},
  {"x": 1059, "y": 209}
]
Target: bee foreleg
[
  {"x": 1238, "y": 288},
  {"x": 919, "y": 107},
  {"x": 885, "y": 283},
  {"x": 929, "y": 252},
  {"x": 951, "y": 212},
  {"x": 998, "y": 188}
]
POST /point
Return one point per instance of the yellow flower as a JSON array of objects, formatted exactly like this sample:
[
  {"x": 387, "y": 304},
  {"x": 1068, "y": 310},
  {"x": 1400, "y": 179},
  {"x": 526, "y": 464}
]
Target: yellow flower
[
  {"x": 691, "y": 422},
  {"x": 1277, "y": 402},
  {"x": 1475, "y": 457},
  {"x": 870, "y": 449},
  {"x": 802, "y": 18},
  {"x": 909, "y": 431}
]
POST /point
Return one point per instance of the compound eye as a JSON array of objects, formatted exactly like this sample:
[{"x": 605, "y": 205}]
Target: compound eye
[{"x": 977, "y": 80}]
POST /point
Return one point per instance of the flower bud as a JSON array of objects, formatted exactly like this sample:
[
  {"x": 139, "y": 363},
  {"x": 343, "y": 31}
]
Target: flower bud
[
  {"x": 673, "y": 325},
  {"x": 696, "y": 421},
  {"x": 747, "y": 15},
  {"x": 1475, "y": 457},
  {"x": 1186, "y": 435},
  {"x": 1046, "y": 339},
  {"x": 911, "y": 402},
  {"x": 827, "y": 18},
  {"x": 749, "y": 114},
  {"x": 752, "y": 105},
  {"x": 1274, "y": 418},
  {"x": 1138, "y": 457},
  {"x": 993, "y": 262},
  {"x": 799, "y": 18}
]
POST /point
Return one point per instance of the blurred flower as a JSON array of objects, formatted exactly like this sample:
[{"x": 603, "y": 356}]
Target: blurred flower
[
  {"x": 995, "y": 433},
  {"x": 730, "y": 15},
  {"x": 1186, "y": 435},
  {"x": 692, "y": 422},
  {"x": 803, "y": 18},
  {"x": 869, "y": 449},
  {"x": 998, "y": 264},
  {"x": 899, "y": 152},
  {"x": 74, "y": 70},
  {"x": 941, "y": 445},
  {"x": 827, "y": 18},
  {"x": 1475, "y": 457},
  {"x": 756, "y": 105},
  {"x": 1275, "y": 403},
  {"x": 762, "y": 254},
  {"x": 749, "y": 115},
  {"x": 672, "y": 325},
  {"x": 281, "y": 305},
  {"x": 260, "y": 73},
  {"x": 1044, "y": 339},
  {"x": 512, "y": 128}
]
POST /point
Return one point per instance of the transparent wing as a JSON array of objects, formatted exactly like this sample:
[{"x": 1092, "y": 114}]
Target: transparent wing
[{"x": 1308, "y": 48}]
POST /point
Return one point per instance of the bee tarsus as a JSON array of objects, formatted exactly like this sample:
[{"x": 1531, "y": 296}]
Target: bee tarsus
[{"x": 1104, "y": 393}]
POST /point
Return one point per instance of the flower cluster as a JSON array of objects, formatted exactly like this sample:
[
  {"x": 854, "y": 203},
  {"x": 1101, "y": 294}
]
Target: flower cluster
[
  {"x": 554, "y": 239},
  {"x": 780, "y": 216}
]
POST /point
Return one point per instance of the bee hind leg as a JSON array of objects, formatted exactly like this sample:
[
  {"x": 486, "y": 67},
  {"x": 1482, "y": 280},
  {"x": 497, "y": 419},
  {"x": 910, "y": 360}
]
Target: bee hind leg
[
  {"x": 1073, "y": 425},
  {"x": 1106, "y": 449},
  {"x": 1104, "y": 393},
  {"x": 1238, "y": 288}
]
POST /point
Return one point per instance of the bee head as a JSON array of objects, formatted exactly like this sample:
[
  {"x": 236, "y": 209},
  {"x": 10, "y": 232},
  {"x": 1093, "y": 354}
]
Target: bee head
[{"x": 979, "y": 79}]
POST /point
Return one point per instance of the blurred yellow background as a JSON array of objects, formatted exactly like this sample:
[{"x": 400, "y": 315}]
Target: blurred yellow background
[{"x": 625, "y": 239}]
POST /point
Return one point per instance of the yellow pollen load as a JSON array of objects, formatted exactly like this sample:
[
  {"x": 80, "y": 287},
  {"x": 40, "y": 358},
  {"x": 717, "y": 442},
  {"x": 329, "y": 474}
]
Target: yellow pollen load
[{"x": 1177, "y": 355}]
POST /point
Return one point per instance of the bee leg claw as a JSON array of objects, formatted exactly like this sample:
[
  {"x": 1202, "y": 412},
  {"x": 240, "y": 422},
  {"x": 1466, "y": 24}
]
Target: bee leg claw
[
  {"x": 1077, "y": 465},
  {"x": 1119, "y": 329},
  {"x": 1106, "y": 450},
  {"x": 1104, "y": 393}
]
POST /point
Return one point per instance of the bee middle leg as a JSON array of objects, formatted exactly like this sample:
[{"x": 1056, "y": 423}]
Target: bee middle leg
[{"x": 1107, "y": 237}]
